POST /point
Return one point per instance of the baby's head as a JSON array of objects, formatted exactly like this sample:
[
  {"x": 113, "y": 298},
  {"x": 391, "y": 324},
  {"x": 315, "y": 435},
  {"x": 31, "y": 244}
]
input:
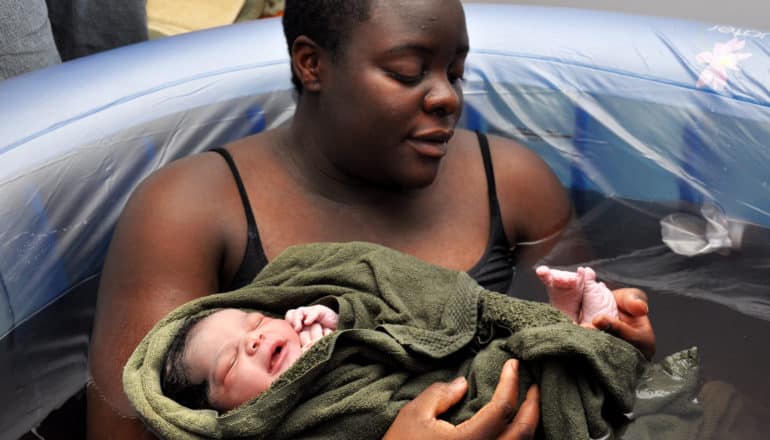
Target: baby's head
[{"x": 227, "y": 358}]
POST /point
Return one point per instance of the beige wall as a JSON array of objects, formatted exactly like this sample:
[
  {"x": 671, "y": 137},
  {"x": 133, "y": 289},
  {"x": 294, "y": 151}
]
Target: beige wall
[{"x": 746, "y": 13}]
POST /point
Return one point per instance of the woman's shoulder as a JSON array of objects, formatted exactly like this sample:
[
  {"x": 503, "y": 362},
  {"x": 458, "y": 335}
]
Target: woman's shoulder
[
  {"x": 501, "y": 147},
  {"x": 202, "y": 176},
  {"x": 184, "y": 181},
  {"x": 198, "y": 191},
  {"x": 532, "y": 200},
  {"x": 511, "y": 160}
]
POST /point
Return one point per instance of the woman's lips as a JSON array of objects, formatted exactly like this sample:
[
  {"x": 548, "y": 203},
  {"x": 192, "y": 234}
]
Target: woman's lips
[
  {"x": 431, "y": 142},
  {"x": 428, "y": 148}
]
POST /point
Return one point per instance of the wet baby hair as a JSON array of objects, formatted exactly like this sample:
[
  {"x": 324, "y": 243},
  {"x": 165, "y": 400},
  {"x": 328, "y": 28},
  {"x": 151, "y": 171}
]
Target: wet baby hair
[{"x": 174, "y": 381}]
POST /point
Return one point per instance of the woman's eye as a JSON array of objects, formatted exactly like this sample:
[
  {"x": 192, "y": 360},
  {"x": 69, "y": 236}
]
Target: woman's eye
[{"x": 407, "y": 79}]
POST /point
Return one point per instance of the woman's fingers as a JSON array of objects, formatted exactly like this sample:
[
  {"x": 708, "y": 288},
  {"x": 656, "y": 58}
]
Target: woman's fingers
[
  {"x": 418, "y": 418},
  {"x": 633, "y": 323},
  {"x": 632, "y": 301},
  {"x": 640, "y": 335},
  {"x": 494, "y": 417},
  {"x": 524, "y": 425},
  {"x": 439, "y": 397}
]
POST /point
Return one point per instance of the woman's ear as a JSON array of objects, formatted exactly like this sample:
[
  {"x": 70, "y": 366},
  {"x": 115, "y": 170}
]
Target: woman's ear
[{"x": 306, "y": 63}]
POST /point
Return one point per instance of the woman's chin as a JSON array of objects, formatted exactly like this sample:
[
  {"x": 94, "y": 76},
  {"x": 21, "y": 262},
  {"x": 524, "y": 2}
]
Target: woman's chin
[
  {"x": 424, "y": 179},
  {"x": 421, "y": 176},
  {"x": 424, "y": 182}
]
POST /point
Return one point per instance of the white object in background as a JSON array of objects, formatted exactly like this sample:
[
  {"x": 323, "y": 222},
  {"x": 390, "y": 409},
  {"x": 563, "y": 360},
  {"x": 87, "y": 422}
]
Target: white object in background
[{"x": 690, "y": 235}]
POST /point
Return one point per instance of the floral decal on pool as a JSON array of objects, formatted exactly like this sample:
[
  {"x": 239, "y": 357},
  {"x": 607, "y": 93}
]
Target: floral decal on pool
[{"x": 724, "y": 56}]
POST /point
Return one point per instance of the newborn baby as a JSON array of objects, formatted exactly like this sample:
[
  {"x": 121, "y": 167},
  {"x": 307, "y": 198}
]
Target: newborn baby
[
  {"x": 578, "y": 294},
  {"x": 232, "y": 356}
]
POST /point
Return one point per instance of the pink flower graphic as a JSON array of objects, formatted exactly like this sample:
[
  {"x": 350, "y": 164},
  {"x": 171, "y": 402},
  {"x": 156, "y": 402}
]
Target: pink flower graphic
[{"x": 724, "y": 56}]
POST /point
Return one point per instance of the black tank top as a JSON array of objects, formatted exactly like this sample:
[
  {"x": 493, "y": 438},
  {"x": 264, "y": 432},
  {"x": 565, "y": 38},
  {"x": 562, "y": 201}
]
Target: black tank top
[{"x": 494, "y": 271}]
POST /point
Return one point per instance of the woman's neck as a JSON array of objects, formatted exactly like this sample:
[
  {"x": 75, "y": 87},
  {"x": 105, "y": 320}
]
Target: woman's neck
[{"x": 301, "y": 148}]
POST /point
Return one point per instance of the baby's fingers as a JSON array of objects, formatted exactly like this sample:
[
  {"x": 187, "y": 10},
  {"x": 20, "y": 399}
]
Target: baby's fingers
[
  {"x": 294, "y": 317},
  {"x": 310, "y": 334},
  {"x": 312, "y": 315},
  {"x": 322, "y": 315}
]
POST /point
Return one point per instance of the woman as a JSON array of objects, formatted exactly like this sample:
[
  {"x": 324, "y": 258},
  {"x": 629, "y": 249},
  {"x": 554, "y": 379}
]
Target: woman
[{"x": 372, "y": 155}]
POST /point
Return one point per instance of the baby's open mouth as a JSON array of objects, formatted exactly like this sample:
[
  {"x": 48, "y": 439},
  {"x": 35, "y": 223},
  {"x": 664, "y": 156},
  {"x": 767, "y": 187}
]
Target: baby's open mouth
[{"x": 276, "y": 358}]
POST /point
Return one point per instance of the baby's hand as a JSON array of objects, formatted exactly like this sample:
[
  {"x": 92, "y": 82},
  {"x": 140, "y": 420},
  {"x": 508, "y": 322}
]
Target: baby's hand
[
  {"x": 307, "y": 316},
  {"x": 312, "y": 323}
]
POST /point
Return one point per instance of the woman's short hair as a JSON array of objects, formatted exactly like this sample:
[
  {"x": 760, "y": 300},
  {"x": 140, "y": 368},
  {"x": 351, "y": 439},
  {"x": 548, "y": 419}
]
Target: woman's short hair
[{"x": 327, "y": 22}]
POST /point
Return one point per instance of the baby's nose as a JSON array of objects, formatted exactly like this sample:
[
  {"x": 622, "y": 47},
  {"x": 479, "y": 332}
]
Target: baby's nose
[{"x": 253, "y": 342}]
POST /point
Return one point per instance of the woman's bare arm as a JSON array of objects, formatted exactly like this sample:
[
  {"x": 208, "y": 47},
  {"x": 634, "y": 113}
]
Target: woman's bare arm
[
  {"x": 166, "y": 250},
  {"x": 535, "y": 210},
  {"x": 533, "y": 202}
]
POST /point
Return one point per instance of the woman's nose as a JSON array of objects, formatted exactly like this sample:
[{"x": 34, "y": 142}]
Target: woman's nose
[{"x": 442, "y": 99}]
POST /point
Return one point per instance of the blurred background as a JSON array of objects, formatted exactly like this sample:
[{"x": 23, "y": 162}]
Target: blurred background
[
  {"x": 38, "y": 33},
  {"x": 746, "y": 13}
]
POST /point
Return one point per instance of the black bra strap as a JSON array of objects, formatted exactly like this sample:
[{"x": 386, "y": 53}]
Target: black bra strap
[
  {"x": 490, "y": 172},
  {"x": 254, "y": 258},
  {"x": 250, "y": 222}
]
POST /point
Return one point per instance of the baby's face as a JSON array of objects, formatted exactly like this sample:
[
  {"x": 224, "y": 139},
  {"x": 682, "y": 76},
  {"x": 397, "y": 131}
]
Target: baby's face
[{"x": 240, "y": 354}]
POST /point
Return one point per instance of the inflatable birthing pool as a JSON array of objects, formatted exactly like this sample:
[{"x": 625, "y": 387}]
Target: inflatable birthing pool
[{"x": 659, "y": 128}]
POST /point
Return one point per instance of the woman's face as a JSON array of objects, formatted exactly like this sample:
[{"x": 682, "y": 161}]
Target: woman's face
[
  {"x": 240, "y": 354},
  {"x": 394, "y": 96}
]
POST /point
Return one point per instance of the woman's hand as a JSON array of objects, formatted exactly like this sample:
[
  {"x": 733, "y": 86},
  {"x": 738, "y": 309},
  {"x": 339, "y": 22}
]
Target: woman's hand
[
  {"x": 419, "y": 418},
  {"x": 633, "y": 323}
]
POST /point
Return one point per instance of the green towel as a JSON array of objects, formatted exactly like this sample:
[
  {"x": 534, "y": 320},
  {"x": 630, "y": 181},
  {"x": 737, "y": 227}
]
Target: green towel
[{"x": 404, "y": 324}]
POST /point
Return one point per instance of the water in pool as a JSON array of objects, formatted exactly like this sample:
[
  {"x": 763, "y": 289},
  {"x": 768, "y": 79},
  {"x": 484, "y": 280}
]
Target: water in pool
[{"x": 719, "y": 303}]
